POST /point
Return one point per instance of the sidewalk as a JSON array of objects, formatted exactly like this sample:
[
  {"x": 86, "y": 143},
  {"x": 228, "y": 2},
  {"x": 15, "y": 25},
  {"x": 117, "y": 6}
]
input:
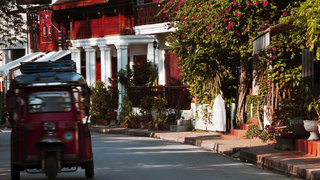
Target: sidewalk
[{"x": 254, "y": 151}]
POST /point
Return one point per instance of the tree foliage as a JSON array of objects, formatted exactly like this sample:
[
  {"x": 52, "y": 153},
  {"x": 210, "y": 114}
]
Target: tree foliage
[
  {"x": 12, "y": 28},
  {"x": 307, "y": 24},
  {"x": 213, "y": 39}
]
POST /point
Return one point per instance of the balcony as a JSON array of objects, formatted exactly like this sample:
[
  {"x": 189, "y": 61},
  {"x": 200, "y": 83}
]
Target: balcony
[
  {"x": 176, "y": 96},
  {"x": 101, "y": 27},
  {"x": 147, "y": 14}
]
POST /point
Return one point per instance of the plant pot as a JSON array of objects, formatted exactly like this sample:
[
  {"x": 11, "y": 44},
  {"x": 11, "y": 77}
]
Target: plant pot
[{"x": 312, "y": 127}]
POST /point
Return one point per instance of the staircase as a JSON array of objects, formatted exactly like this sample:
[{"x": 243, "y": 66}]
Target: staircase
[{"x": 239, "y": 133}]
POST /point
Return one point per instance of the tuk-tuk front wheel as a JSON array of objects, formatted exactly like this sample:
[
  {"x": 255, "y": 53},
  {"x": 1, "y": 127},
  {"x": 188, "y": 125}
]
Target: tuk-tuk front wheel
[
  {"x": 51, "y": 167},
  {"x": 15, "y": 172},
  {"x": 89, "y": 169}
]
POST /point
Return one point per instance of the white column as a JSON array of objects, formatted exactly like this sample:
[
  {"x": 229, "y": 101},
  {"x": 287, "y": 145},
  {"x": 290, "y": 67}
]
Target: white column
[
  {"x": 150, "y": 53},
  {"x": 106, "y": 67},
  {"x": 122, "y": 58},
  {"x": 161, "y": 67},
  {"x": 76, "y": 57},
  {"x": 90, "y": 65}
]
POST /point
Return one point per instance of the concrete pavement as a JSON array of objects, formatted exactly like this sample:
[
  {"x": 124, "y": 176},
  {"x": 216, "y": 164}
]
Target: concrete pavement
[{"x": 292, "y": 163}]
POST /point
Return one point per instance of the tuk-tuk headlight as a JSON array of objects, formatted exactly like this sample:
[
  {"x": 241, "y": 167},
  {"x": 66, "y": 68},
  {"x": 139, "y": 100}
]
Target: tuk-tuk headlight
[{"x": 49, "y": 126}]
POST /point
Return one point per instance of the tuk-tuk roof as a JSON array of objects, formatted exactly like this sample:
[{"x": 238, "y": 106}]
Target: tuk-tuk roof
[{"x": 57, "y": 73}]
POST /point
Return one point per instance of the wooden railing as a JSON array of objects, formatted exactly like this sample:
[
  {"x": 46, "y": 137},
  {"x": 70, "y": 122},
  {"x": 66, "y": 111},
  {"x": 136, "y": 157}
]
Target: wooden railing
[
  {"x": 176, "y": 96},
  {"x": 102, "y": 27},
  {"x": 148, "y": 14}
]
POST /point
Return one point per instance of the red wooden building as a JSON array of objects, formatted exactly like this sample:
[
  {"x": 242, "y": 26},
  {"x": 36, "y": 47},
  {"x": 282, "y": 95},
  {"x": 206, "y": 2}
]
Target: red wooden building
[{"x": 103, "y": 36}]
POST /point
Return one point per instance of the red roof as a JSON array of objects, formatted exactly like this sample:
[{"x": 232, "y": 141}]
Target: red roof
[{"x": 68, "y": 4}]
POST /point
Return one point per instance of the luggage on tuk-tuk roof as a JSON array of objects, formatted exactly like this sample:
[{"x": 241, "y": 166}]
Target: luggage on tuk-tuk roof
[
  {"x": 49, "y": 66},
  {"x": 61, "y": 72}
]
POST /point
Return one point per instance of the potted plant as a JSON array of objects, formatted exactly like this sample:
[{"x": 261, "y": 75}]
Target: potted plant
[
  {"x": 146, "y": 104},
  {"x": 312, "y": 125},
  {"x": 173, "y": 116},
  {"x": 160, "y": 118},
  {"x": 102, "y": 103}
]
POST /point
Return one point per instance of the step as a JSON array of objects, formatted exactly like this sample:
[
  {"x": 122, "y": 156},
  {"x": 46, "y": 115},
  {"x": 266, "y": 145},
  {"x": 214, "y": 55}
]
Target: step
[
  {"x": 183, "y": 122},
  {"x": 177, "y": 128},
  {"x": 253, "y": 120},
  {"x": 246, "y": 126},
  {"x": 240, "y": 133},
  {"x": 229, "y": 137}
]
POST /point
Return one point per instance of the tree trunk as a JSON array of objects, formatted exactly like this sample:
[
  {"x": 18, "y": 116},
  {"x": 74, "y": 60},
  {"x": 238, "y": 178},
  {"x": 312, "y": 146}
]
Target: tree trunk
[{"x": 243, "y": 90}]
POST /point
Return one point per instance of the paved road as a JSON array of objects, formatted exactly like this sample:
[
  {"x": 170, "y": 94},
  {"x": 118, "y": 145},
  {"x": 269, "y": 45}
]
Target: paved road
[{"x": 121, "y": 157}]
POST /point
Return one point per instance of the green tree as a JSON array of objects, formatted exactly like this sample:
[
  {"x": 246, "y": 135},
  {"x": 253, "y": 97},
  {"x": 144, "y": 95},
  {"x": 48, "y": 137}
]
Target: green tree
[
  {"x": 213, "y": 39},
  {"x": 12, "y": 28},
  {"x": 306, "y": 24}
]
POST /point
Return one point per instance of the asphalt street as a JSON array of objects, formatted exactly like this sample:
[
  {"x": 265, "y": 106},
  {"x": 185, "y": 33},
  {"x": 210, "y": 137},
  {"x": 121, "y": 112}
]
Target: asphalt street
[{"x": 120, "y": 157}]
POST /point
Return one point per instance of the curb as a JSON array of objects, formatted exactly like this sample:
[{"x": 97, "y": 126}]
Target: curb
[
  {"x": 208, "y": 142},
  {"x": 292, "y": 163}
]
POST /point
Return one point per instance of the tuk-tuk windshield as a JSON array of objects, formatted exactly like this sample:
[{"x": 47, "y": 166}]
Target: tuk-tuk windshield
[{"x": 49, "y": 101}]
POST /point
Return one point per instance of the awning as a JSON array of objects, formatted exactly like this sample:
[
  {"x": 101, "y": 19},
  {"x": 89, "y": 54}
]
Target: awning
[
  {"x": 262, "y": 41},
  {"x": 54, "y": 55},
  {"x": 4, "y": 70}
]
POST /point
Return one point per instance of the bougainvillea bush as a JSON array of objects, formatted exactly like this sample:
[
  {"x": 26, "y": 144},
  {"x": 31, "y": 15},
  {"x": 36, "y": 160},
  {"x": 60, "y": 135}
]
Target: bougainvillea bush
[{"x": 213, "y": 39}]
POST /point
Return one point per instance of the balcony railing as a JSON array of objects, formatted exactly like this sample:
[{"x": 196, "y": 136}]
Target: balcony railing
[
  {"x": 148, "y": 14},
  {"x": 176, "y": 96},
  {"x": 101, "y": 27}
]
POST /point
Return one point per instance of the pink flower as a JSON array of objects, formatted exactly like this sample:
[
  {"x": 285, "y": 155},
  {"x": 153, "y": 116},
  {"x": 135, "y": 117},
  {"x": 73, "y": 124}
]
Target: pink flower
[
  {"x": 216, "y": 17},
  {"x": 274, "y": 48},
  {"x": 215, "y": 32},
  {"x": 184, "y": 36},
  {"x": 285, "y": 14},
  {"x": 228, "y": 10},
  {"x": 265, "y": 3},
  {"x": 187, "y": 21},
  {"x": 230, "y": 24},
  {"x": 207, "y": 32},
  {"x": 248, "y": 4},
  {"x": 177, "y": 9},
  {"x": 223, "y": 14},
  {"x": 228, "y": 28},
  {"x": 238, "y": 34},
  {"x": 182, "y": 18},
  {"x": 180, "y": 2},
  {"x": 252, "y": 10},
  {"x": 209, "y": 27},
  {"x": 198, "y": 5},
  {"x": 174, "y": 38},
  {"x": 257, "y": 2},
  {"x": 273, "y": 57},
  {"x": 234, "y": 3},
  {"x": 224, "y": 20},
  {"x": 279, "y": 44},
  {"x": 194, "y": 17},
  {"x": 267, "y": 21}
]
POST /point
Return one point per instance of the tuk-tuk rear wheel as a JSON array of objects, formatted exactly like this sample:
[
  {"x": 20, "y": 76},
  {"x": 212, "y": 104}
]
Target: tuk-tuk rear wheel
[
  {"x": 89, "y": 169},
  {"x": 15, "y": 172},
  {"x": 51, "y": 167}
]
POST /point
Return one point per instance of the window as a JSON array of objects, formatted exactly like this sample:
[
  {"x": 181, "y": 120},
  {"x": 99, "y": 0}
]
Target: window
[{"x": 49, "y": 101}]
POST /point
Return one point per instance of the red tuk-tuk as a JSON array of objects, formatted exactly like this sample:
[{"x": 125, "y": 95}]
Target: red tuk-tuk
[{"x": 48, "y": 107}]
